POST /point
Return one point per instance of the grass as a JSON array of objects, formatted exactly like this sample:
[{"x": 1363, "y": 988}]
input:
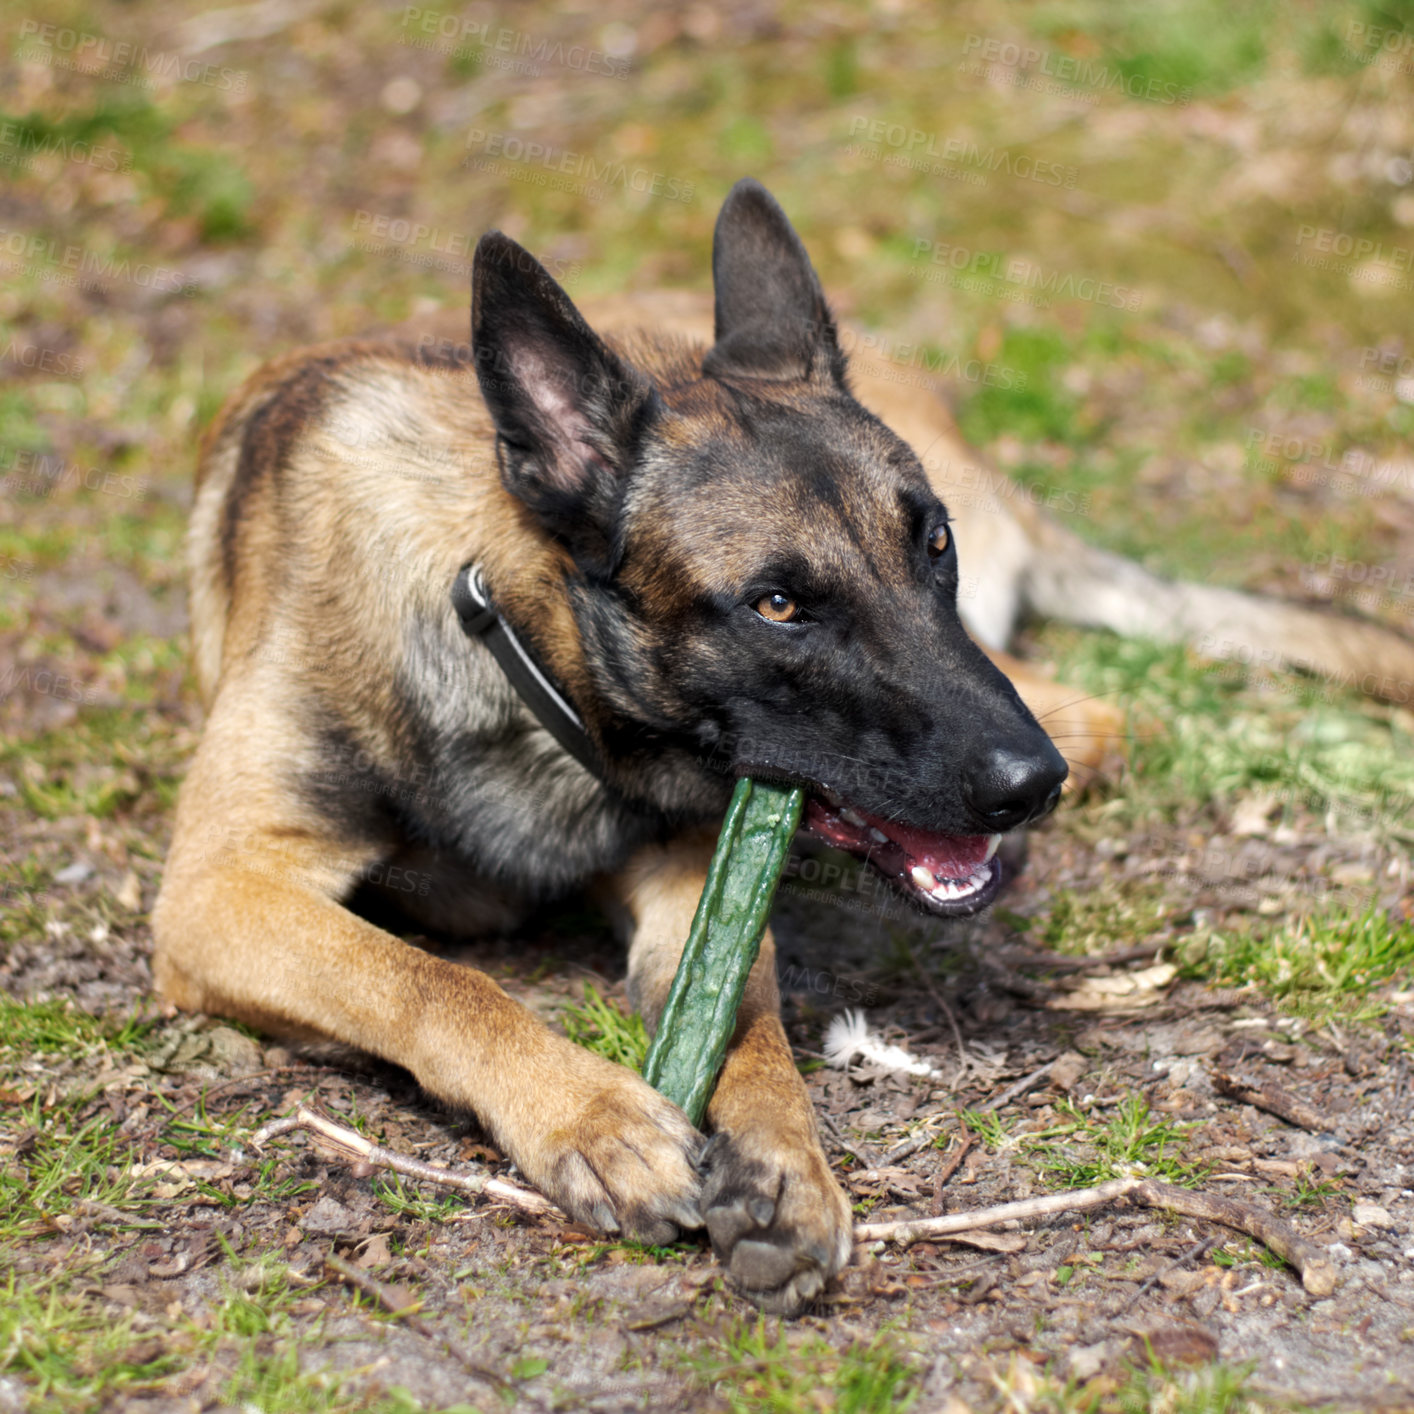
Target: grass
[
  {"x": 760, "y": 1367},
  {"x": 409, "y": 1202},
  {"x": 33, "y": 1030},
  {"x": 63, "y": 1159},
  {"x": 1317, "y": 966},
  {"x": 1215, "y": 734},
  {"x": 1087, "y": 1147},
  {"x": 1210, "y": 1389},
  {"x": 68, "y": 1351},
  {"x": 601, "y": 1025}
]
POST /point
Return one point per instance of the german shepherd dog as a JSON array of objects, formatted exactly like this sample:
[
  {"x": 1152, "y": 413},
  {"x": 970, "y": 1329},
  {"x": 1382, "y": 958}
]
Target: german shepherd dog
[{"x": 715, "y": 561}]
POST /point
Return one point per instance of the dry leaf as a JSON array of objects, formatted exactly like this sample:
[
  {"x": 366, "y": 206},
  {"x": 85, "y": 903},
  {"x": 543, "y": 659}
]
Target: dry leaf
[
  {"x": 989, "y": 1241},
  {"x": 375, "y": 1252},
  {"x": 1120, "y": 993}
]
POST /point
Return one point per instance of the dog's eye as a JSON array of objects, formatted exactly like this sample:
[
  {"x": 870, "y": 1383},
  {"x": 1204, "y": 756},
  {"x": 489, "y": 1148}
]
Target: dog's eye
[
  {"x": 779, "y": 608},
  {"x": 939, "y": 540}
]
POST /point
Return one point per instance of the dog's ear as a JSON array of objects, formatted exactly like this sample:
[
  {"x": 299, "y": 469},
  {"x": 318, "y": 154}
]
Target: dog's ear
[
  {"x": 771, "y": 317},
  {"x": 569, "y": 411}
]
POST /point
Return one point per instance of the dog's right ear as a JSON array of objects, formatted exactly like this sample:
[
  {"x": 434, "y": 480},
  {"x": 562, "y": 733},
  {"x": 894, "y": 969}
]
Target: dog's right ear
[{"x": 569, "y": 411}]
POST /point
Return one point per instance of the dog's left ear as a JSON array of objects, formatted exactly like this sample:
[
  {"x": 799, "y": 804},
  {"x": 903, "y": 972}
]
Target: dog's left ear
[
  {"x": 568, "y": 409},
  {"x": 771, "y": 317}
]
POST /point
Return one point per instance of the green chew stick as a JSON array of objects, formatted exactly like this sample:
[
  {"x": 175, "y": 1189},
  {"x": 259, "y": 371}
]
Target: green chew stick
[{"x": 700, "y": 1014}]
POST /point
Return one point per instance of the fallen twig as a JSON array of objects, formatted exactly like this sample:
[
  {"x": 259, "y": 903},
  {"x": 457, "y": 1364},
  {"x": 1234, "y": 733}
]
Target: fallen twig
[
  {"x": 1318, "y": 1274},
  {"x": 906, "y": 1148},
  {"x": 949, "y": 1168},
  {"x": 397, "y": 1303},
  {"x": 349, "y": 1144},
  {"x": 1196, "y": 1253},
  {"x": 1015, "y": 1092},
  {"x": 1056, "y": 963},
  {"x": 392, "y": 1299},
  {"x": 964, "y": 1061},
  {"x": 1273, "y": 1099}
]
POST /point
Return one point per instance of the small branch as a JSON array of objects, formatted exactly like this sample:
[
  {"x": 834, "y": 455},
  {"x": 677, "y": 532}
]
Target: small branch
[
  {"x": 950, "y": 1168},
  {"x": 1196, "y": 1253},
  {"x": 1058, "y": 963},
  {"x": 910, "y": 1230},
  {"x": 392, "y": 1299},
  {"x": 397, "y": 1303},
  {"x": 1272, "y": 1098},
  {"x": 964, "y": 1061},
  {"x": 349, "y": 1144},
  {"x": 1015, "y": 1092},
  {"x": 1318, "y": 1274},
  {"x": 906, "y": 1148}
]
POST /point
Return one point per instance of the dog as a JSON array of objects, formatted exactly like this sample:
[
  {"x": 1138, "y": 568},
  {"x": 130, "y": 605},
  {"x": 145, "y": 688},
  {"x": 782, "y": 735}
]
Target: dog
[{"x": 479, "y": 626}]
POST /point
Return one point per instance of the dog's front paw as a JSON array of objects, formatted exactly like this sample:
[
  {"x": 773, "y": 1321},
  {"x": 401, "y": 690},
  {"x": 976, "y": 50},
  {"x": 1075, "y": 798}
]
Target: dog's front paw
[
  {"x": 779, "y": 1222},
  {"x": 616, "y": 1155}
]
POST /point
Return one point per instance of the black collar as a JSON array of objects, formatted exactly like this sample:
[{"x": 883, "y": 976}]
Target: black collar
[{"x": 480, "y": 620}]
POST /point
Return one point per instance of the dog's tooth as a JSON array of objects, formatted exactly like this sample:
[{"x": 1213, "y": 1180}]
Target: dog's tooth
[
  {"x": 853, "y": 817},
  {"x": 993, "y": 841},
  {"x": 878, "y": 836},
  {"x": 924, "y": 878}
]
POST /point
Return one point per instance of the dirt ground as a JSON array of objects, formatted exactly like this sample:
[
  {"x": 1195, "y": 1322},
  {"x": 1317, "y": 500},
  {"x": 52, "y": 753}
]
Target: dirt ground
[
  {"x": 1227, "y": 915},
  {"x": 1069, "y": 1301}
]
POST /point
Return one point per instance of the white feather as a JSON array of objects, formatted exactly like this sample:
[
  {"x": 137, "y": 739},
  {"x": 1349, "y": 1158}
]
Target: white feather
[{"x": 848, "y": 1036}]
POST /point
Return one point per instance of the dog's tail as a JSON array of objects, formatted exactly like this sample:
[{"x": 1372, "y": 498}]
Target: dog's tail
[{"x": 1080, "y": 584}]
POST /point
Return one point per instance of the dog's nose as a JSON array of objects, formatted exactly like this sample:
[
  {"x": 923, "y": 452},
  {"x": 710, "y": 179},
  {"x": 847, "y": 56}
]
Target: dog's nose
[{"x": 1008, "y": 787}]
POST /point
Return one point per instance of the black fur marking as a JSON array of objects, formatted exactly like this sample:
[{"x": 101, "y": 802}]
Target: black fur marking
[{"x": 270, "y": 435}]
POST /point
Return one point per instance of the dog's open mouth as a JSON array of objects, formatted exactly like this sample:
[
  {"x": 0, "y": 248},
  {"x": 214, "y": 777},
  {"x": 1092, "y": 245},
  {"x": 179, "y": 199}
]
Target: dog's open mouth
[{"x": 950, "y": 875}]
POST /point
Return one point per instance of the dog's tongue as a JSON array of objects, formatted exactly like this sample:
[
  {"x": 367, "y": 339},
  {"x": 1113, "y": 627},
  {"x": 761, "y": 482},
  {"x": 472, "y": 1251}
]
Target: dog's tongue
[
  {"x": 902, "y": 848},
  {"x": 948, "y": 856}
]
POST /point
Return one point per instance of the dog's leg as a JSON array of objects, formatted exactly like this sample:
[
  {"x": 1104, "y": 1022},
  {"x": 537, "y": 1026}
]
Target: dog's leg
[
  {"x": 253, "y": 930},
  {"x": 778, "y": 1220}
]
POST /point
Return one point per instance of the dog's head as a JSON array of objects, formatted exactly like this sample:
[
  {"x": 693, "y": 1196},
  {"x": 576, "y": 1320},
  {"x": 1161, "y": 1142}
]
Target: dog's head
[{"x": 761, "y": 565}]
